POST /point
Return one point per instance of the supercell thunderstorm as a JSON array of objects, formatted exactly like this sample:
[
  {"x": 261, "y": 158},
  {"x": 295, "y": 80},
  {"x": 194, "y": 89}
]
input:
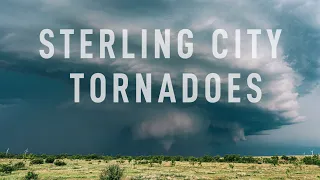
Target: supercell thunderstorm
[{"x": 156, "y": 128}]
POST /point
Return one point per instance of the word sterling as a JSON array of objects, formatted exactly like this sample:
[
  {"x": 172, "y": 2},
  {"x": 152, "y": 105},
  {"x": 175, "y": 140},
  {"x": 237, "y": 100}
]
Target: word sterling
[{"x": 162, "y": 43}]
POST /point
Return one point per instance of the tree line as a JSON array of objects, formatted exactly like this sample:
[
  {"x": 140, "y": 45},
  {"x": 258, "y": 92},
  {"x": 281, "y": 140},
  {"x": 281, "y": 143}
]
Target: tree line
[{"x": 232, "y": 158}]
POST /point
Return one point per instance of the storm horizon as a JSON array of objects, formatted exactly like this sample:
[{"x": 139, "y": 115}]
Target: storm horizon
[{"x": 37, "y": 109}]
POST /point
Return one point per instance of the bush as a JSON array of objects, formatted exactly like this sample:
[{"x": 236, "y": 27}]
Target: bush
[
  {"x": 248, "y": 159},
  {"x": 59, "y": 163},
  {"x": 314, "y": 160},
  {"x": 293, "y": 159},
  {"x": 274, "y": 160},
  {"x": 6, "y": 168},
  {"x": 18, "y": 165},
  {"x": 286, "y": 158},
  {"x": 112, "y": 172},
  {"x": 36, "y": 161},
  {"x": 207, "y": 158},
  {"x": 173, "y": 163},
  {"x": 50, "y": 160},
  {"x": 31, "y": 176},
  {"x": 232, "y": 158}
]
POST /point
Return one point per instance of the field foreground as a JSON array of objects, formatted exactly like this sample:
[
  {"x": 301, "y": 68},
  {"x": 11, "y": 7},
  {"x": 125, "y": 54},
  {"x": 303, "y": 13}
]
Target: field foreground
[{"x": 84, "y": 169}]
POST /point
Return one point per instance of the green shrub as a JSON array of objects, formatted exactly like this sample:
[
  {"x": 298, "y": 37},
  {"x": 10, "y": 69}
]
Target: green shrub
[
  {"x": 18, "y": 165},
  {"x": 112, "y": 172},
  {"x": 273, "y": 160},
  {"x": 314, "y": 160},
  {"x": 173, "y": 163},
  {"x": 284, "y": 157},
  {"x": 50, "y": 160},
  {"x": 248, "y": 159},
  {"x": 232, "y": 158},
  {"x": 6, "y": 168},
  {"x": 207, "y": 158},
  {"x": 60, "y": 163},
  {"x": 36, "y": 161},
  {"x": 31, "y": 176}
]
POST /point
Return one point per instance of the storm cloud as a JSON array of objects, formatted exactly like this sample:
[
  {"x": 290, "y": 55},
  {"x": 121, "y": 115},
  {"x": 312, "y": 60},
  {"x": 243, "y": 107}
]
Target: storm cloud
[{"x": 36, "y": 105}]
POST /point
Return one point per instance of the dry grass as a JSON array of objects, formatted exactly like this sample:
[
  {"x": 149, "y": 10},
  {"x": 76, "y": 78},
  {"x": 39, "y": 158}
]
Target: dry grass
[{"x": 80, "y": 169}]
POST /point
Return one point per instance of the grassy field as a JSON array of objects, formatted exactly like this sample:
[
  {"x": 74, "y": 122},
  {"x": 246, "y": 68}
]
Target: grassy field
[{"x": 82, "y": 169}]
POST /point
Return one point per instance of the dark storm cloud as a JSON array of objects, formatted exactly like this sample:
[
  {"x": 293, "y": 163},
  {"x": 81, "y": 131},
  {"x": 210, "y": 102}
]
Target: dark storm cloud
[{"x": 46, "y": 117}]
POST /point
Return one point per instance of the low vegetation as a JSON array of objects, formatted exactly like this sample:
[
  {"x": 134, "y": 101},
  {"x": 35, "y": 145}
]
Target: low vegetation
[
  {"x": 19, "y": 166},
  {"x": 6, "y": 168},
  {"x": 33, "y": 166},
  {"x": 31, "y": 176},
  {"x": 112, "y": 172},
  {"x": 36, "y": 161},
  {"x": 39, "y": 159},
  {"x": 50, "y": 160},
  {"x": 60, "y": 163}
]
